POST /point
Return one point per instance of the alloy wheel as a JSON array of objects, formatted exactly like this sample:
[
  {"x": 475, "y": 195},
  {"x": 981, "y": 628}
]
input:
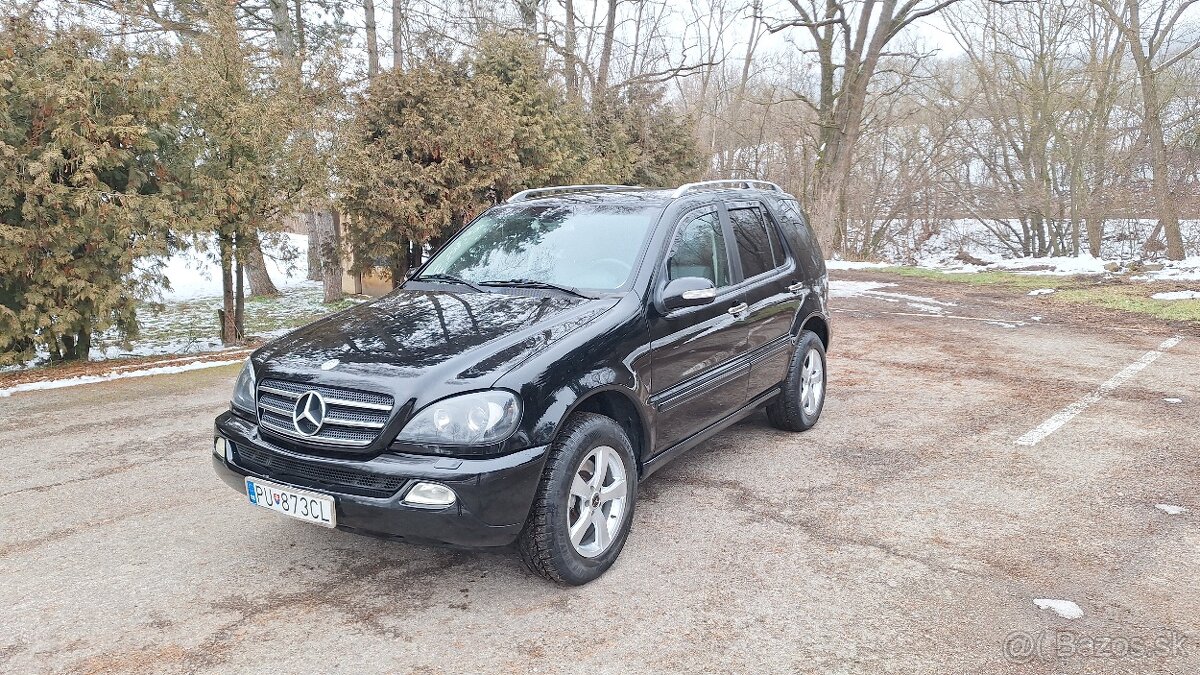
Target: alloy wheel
[
  {"x": 812, "y": 383},
  {"x": 596, "y": 505}
]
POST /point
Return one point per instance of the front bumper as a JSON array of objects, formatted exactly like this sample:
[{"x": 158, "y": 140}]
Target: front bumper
[{"x": 493, "y": 495}]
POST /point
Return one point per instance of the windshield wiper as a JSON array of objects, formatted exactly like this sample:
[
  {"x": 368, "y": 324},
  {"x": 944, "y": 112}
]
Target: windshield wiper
[
  {"x": 534, "y": 283},
  {"x": 452, "y": 278}
]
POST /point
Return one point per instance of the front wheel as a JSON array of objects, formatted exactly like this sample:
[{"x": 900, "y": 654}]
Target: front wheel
[
  {"x": 799, "y": 405},
  {"x": 583, "y": 509}
]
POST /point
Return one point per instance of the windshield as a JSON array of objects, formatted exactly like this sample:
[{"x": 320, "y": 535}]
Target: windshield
[{"x": 574, "y": 245}]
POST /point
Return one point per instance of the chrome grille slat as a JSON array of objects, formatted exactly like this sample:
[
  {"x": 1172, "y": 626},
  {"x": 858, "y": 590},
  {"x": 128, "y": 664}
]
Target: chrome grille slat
[
  {"x": 353, "y": 418},
  {"x": 279, "y": 392}
]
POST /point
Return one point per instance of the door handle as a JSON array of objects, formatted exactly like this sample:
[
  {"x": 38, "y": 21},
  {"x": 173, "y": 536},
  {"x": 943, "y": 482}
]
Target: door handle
[
  {"x": 738, "y": 308},
  {"x": 796, "y": 287}
]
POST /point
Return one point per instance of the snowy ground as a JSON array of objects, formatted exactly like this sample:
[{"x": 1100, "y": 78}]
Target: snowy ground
[
  {"x": 184, "y": 320},
  {"x": 197, "y": 274},
  {"x": 958, "y": 247}
]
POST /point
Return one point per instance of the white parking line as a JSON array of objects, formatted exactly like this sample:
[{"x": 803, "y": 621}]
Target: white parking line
[{"x": 1068, "y": 413}]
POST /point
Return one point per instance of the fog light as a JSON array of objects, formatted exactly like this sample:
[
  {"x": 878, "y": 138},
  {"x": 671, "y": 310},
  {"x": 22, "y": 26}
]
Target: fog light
[
  {"x": 430, "y": 494},
  {"x": 219, "y": 446}
]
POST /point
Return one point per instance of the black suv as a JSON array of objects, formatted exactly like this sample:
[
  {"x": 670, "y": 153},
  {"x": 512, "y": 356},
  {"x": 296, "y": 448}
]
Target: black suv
[{"x": 557, "y": 351}]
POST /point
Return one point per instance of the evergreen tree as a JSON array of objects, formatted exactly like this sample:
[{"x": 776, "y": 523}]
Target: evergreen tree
[
  {"x": 242, "y": 165},
  {"x": 550, "y": 136},
  {"x": 640, "y": 140},
  {"x": 428, "y": 148},
  {"x": 83, "y": 207}
]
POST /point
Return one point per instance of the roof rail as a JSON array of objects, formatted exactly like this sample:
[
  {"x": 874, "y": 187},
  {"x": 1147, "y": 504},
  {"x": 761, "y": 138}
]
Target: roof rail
[
  {"x": 525, "y": 195},
  {"x": 728, "y": 183}
]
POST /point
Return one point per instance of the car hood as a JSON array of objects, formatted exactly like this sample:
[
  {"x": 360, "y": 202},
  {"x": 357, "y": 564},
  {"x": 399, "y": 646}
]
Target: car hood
[{"x": 468, "y": 339}]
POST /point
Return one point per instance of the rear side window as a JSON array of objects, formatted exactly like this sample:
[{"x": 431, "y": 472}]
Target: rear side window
[
  {"x": 758, "y": 242},
  {"x": 699, "y": 251},
  {"x": 810, "y": 251}
]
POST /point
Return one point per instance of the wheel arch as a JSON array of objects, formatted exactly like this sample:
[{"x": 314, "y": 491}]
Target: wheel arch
[
  {"x": 619, "y": 405},
  {"x": 818, "y": 324}
]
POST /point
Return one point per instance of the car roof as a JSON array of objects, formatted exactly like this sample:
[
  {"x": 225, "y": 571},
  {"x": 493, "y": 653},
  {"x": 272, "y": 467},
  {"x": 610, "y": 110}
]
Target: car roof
[{"x": 645, "y": 196}]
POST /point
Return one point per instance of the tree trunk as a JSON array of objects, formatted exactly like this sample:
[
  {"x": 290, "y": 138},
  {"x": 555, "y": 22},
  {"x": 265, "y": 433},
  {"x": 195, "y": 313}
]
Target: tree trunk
[
  {"x": 606, "y": 48},
  {"x": 569, "y": 58},
  {"x": 228, "y": 325},
  {"x": 1160, "y": 183},
  {"x": 398, "y": 34},
  {"x": 1095, "y": 235},
  {"x": 331, "y": 258},
  {"x": 83, "y": 345},
  {"x": 281, "y": 25},
  {"x": 256, "y": 267},
  {"x": 239, "y": 304},
  {"x": 1168, "y": 217},
  {"x": 372, "y": 38},
  {"x": 398, "y": 270},
  {"x": 314, "y": 247}
]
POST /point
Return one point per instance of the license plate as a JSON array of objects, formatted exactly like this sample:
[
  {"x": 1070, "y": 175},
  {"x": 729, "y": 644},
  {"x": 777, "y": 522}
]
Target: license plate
[{"x": 307, "y": 506}]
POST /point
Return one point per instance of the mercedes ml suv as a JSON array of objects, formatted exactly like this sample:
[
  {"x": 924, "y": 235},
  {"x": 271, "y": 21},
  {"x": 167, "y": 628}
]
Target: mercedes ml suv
[{"x": 548, "y": 358}]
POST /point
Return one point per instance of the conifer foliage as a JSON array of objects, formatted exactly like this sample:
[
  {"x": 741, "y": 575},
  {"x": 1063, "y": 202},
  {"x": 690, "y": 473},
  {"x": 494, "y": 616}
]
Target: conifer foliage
[
  {"x": 432, "y": 146},
  {"x": 83, "y": 209}
]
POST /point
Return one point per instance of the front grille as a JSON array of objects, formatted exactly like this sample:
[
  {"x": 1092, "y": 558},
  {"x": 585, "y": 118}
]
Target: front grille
[
  {"x": 335, "y": 479},
  {"x": 352, "y": 417}
]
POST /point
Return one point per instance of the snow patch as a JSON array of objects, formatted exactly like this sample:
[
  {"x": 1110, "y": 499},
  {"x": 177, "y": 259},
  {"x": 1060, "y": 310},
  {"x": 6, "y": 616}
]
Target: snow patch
[
  {"x": 1054, "y": 265},
  {"x": 850, "y": 289},
  {"x": 854, "y": 265},
  {"x": 1064, "y": 608},
  {"x": 896, "y": 297},
  {"x": 1041, "y": 291},
  {"x": 1172, "y": 400},
  {"x": 1170, "y": 509},
  {"x": 1177, "y": 295},
  {"x": 932, "y": 309},
  {"x": 116, "y": 375}
]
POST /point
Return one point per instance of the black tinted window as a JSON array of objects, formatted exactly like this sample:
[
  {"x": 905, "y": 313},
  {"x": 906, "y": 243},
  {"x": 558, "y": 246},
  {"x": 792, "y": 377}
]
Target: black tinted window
[
  {"x": 699, "y": 251},
  {"x": 810, "y": 251},
  {"x": 758, "y": 242},
  {"x": 777, "y": 252}
]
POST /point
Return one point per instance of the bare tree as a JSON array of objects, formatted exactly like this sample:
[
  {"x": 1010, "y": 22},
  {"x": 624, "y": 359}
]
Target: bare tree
[
  {"x": 1156, "y": 43},
  {"x": 848, "y": 39}
]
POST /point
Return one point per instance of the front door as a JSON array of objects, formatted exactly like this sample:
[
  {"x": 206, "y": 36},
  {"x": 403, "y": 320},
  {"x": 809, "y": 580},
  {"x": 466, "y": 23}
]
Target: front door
[
  {"x": 769, "y": 275},
  {"x": 699, "y": 373}
]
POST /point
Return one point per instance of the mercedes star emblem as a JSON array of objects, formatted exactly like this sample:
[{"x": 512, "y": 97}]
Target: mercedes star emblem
[{"x": 309, "y": 413}]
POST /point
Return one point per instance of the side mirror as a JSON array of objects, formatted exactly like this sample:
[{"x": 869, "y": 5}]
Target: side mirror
[
  {"x": 688, "y": 292},
  {"x": 412, "y": 272}
]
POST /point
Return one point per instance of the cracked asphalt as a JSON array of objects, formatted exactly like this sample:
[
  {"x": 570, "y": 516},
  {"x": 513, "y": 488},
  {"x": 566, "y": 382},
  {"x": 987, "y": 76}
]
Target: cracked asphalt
[{"x": 907, "y": 532}]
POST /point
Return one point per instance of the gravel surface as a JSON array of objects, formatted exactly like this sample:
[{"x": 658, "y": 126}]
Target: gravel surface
[{"x": 907, "y": 532}]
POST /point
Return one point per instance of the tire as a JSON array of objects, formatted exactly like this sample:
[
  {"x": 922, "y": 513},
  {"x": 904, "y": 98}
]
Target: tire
[
  {"x": 546, "y": 544},
  {"x": 790, "y": 411}
]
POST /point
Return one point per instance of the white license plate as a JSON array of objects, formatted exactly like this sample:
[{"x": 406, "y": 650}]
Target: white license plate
[{"x": 307, "y": 506}]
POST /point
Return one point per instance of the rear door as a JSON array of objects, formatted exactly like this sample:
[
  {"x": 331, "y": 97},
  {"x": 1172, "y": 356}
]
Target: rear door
[
  {"x": 699, "y": 370},
  {"x": 770, "y": 290}
]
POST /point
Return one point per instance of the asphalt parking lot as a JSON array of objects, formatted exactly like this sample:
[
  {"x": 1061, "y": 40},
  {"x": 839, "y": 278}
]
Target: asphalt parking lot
[{"x": 908, "y": 532}]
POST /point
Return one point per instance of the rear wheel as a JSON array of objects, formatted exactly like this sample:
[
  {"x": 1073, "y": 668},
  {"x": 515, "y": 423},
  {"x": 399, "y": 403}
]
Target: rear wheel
[
  {"x": 799, "y": 405},
  {"x": 583, "y": 509}
]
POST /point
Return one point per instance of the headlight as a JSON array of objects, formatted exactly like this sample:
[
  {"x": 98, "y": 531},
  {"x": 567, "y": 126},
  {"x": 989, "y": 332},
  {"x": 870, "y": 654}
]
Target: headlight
[
  {"x": 481, "y": 418},
  {"x": 243, "y": 389}
]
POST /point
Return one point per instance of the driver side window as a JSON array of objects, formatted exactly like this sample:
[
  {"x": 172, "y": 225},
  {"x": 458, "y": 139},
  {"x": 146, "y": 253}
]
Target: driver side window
[{"x": 699, "y": 251}]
